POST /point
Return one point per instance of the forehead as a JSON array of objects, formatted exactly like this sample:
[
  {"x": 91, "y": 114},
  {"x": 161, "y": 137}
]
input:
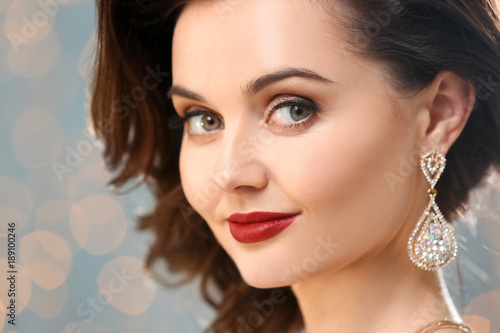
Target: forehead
[{"x": 237, "y": 40}]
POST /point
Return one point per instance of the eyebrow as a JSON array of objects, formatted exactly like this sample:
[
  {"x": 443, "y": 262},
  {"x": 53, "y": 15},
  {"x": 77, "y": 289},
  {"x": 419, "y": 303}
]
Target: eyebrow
[
  {"x": 254, "y": 86},
  {"x": 180, "y": 91}
]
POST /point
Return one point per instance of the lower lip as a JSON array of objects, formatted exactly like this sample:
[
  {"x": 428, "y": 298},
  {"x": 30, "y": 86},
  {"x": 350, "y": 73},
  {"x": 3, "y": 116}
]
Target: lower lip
[{"x": 260, "y": 231}]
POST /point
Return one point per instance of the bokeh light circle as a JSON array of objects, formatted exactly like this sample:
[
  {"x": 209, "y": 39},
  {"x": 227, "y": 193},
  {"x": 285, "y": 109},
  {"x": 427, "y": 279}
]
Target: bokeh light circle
[
  {"x": 35, "y": 59},
  {"x": 46, "y": 257},
  {"x": 28, "y": 21},
  {"x": 98, "y": 224},
  {"x": 49, "y": 304},
  {"x": 124, "y": 284}
]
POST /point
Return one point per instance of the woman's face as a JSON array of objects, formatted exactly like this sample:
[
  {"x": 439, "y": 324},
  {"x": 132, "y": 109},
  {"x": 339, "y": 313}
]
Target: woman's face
[{"x": 292, "y": 122}]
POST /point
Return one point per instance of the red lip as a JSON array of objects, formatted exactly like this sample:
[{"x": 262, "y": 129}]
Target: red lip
[{"x": 258, "y": 226}]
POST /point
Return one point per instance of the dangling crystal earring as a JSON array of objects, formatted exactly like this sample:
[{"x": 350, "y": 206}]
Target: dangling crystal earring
[{"x": 432, "y": 244}]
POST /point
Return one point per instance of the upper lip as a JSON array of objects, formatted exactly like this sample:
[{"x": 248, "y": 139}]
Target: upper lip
[{"x": 256, "y": 217}]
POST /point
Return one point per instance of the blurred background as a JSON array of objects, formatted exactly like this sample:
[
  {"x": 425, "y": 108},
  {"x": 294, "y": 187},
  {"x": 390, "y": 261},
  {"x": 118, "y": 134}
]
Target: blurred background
[{"x": 79, "y": 259}]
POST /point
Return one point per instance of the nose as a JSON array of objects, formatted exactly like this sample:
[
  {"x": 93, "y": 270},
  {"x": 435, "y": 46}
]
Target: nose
[{"x": 239, "y": 164}]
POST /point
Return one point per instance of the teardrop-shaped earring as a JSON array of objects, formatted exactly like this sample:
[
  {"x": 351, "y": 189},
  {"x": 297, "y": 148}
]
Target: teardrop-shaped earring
[{"x": 432, "y": 244}]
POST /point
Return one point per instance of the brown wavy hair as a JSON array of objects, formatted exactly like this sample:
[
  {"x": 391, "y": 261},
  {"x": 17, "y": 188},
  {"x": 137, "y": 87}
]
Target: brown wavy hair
[{"x": 132, "y": 115}]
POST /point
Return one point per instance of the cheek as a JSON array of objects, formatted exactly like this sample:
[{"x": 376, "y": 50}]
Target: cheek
[
  {"x": 343, "y": 160},
  {"x": 338, "y": 174},
  {"x": 192, "y": 167}
]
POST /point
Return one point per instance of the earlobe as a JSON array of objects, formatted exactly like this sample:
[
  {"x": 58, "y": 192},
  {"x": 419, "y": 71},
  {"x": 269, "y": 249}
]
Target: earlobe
[{"x": 450, "y": 100}]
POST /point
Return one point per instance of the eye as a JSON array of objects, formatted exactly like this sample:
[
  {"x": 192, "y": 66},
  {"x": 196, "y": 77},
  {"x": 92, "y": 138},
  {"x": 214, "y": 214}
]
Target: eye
[
  {"x": 287, "y": 113},
  {"x": 292, "y": 112},
  {"x": 201, "y": 122}
]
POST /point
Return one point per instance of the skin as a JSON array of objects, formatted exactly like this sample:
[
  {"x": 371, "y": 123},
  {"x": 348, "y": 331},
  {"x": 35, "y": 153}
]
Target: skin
[{"x": 344, "y": 171}]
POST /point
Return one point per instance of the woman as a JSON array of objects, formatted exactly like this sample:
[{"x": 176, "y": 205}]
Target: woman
[{"x": 295, "y": 149}]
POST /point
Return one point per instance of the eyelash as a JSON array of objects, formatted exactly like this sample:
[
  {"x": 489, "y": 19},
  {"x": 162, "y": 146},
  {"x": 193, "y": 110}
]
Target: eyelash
[{"x": 295, "y": 101}]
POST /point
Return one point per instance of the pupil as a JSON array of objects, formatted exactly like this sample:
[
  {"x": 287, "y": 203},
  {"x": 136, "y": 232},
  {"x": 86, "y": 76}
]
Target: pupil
[
  {"x": 209, "y": 122},
  {"x": 297, "y": 113}
]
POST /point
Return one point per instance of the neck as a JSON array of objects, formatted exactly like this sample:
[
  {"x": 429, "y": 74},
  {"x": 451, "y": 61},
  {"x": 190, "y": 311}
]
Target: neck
[{"x": 381, "y": 292}]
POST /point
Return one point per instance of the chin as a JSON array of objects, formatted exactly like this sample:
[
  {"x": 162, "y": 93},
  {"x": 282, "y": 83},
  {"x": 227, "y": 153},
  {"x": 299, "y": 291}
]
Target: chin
[
  {"x": 258, "y": 271},
  {"x": 263, "y": 280}
]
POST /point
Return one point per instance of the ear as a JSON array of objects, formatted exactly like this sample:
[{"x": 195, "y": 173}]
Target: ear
[{"x": 448, "y": 102}]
